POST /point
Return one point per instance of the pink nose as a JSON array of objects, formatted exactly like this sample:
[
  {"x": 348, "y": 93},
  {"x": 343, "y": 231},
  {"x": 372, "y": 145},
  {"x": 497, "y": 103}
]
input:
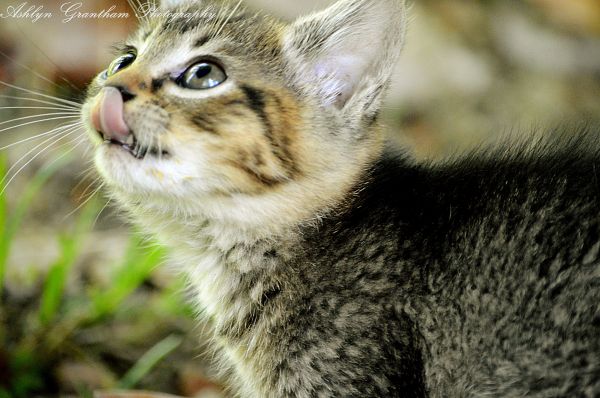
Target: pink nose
[{"x": 107, "y": 115}]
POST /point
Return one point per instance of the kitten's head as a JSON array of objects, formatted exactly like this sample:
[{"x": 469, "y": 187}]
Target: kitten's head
[{"x": 211, "y": 109}]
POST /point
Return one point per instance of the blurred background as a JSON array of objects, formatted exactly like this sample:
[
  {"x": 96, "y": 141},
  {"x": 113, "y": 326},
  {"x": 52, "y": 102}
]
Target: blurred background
[{"x": 86, "y": 303}]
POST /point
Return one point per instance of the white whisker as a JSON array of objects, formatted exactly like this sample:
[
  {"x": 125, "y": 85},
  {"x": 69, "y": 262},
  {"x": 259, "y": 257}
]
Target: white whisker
[
  {"x": 5, "y": 185},
  {"x": 29, "y": 69},
  {"x": 144, "y": 14},
  {"x": 85, "y": 201},
  {"x": 228, "y": 18},
  {"x": 79, "y": 140},
  {"x": 61, "y": 106},
  {"x": 53, "y": 132},
  {"x": 39, "y": 121},
  {"x": 36, "y": 107},
  {"x": 56, "y": 99},
  {"x": 39, "y": 115},
  {"x": 101, "y": 211},
  {"x": 33, "y": 43},
  {"x": 133, "y": 8},
  {"x": 85, "y": 174},
  {"x": 91, "y": 184},
  {"x": 64, "y": 133}
]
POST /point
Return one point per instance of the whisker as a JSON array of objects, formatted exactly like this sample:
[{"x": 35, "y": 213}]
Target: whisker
[
  {"x": 85, "y": 201},
  {"x": 91, "y": 184},
  {"x": 65, "y": 133},
  {"x": 39, "y": 121},
  {"x": 5, "y": 185},
  {"x": 228, "y": 18},
  {"x": 133, "y": 8},
  {"x": 39, "y": 101},
  {"x": 84, "y": 176},
  {"x": 58, "y": 68},
  {"x": 56, "y": 99},
  {"x": 36, "y": 107},
  {"x": 53, "y": 132},
  {"x": 29, "y": 69},
  {"x": 87, "y": 173},
  {"x": 39, "y": 115},
  {"x": 141, "y": 8},
  {"x": 79, "y": 140},
  {"x": 101, "y": 211}
]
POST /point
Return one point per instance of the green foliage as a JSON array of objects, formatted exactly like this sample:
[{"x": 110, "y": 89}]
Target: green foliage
[
  {"x": 70, "y": 247},
  {"x": 46, "y": 329},
  {"x": 10, "y": 223},
  {"x": 149, "y": 360},
  {"x": 136, "y": 267}
]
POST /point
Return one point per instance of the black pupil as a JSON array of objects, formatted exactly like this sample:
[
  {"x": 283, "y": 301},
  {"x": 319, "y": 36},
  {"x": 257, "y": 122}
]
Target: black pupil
[
  {"x": 125, "y": 61},
  {"x": 203, "y": 71}
]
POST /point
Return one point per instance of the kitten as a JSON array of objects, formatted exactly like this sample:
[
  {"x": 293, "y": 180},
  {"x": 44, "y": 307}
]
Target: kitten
[{"x": 326, "y": 263}]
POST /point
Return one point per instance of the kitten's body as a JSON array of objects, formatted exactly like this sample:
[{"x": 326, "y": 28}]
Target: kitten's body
[
  {"x": 442, "y": 281},
  {"x": 328, "y": 266}
]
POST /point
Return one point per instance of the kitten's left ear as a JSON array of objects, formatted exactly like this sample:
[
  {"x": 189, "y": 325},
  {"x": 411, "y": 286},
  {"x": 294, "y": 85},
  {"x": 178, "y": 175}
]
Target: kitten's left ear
[{"x": 346, "y": 54}]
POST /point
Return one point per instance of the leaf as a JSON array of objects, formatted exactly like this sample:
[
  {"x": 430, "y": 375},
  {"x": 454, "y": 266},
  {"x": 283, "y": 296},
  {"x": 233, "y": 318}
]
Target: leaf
[{"x": 149, "y": 360}]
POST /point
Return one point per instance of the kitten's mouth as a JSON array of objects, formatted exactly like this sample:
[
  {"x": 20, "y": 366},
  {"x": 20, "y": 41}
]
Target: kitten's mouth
[
  {"x": 107, "y": 117},
  {"x": 133, "y": 147}
]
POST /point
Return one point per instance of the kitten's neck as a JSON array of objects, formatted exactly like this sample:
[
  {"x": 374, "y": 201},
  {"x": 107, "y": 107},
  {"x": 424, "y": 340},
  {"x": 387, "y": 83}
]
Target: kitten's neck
[{"x": 226, "y": 266}]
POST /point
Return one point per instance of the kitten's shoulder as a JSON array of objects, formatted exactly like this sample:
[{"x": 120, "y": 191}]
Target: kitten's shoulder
[{"x": 398, "y": 187}]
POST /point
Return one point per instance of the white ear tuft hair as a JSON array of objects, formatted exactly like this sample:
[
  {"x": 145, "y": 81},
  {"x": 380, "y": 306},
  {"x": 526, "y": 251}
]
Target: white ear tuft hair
[{"x": 346, "y": 54}]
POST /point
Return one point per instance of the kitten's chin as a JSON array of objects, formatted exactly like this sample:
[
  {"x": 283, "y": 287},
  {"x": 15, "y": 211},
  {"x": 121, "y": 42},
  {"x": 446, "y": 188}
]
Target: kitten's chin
[{"x": 151, "y": 176}]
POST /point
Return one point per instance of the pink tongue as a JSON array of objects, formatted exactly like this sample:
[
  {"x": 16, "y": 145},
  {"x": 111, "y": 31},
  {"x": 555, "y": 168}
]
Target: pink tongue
[{"x": 107, "y": 115}]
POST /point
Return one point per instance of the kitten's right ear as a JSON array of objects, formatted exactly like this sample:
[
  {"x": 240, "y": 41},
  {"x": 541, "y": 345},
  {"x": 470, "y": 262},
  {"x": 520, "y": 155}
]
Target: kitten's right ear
[{"x": 345, "y": 54}]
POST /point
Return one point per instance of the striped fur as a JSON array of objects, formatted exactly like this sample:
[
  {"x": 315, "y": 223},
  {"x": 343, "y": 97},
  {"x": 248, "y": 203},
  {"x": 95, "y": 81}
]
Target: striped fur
[{"x": 325, "y": 264}]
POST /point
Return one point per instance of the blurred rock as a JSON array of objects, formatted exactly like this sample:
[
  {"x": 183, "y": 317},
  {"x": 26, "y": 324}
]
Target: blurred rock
[
  {"x": 72, "y": 376},
  {"x": 194, "y": 382}
]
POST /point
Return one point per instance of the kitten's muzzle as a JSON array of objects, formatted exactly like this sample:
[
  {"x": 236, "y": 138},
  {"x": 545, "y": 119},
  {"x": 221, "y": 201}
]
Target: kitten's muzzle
[{"x": 107, "y": 116}]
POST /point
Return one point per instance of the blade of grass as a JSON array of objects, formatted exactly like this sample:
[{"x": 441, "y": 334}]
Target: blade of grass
[
  {"x": 172, "y": 300},
  {"x": 71, "y": 245},
  {"x": 148, "y": 361},
  {"x": 137, "y": 267},
  {"x": 13, "y": 222}
]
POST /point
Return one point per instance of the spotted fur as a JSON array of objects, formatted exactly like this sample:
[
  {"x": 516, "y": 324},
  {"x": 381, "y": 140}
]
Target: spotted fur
[{"x": 325, "y": 263}]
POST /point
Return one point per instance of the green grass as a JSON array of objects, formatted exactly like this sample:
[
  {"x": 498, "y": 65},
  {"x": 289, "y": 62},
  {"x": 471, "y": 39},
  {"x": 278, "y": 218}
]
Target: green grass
[
  {"x": 40, "y": 337},
  {"x": 10, "y": 223}
]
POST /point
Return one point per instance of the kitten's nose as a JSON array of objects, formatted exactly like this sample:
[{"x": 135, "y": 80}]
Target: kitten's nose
[
  {"x": 126, "y": 94},
  {"x": 107, "y": 114}
]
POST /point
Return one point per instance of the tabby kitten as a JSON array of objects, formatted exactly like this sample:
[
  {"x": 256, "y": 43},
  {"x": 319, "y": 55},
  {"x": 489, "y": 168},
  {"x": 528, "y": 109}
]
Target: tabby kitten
[{"x": 326, "y": 263}]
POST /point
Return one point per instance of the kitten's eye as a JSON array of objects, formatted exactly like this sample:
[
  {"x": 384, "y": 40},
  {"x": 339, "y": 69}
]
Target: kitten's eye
[
  {"x": 120, "y": 63},
  {"x": 202, "y": 76}
]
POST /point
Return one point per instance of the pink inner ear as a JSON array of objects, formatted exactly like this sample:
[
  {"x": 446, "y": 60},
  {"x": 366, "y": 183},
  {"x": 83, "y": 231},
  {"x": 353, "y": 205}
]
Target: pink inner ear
[{"x": 339, "y": 75}]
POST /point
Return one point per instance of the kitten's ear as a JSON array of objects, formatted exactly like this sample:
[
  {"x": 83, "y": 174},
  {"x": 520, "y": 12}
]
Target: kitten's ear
[{"x": 346, "y": 53}]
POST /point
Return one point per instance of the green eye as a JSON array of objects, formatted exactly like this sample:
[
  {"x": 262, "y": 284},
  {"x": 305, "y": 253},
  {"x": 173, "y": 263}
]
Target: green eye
[
  {"x": 202, "y": 76},
  {"x": 120, "y": 63}
]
